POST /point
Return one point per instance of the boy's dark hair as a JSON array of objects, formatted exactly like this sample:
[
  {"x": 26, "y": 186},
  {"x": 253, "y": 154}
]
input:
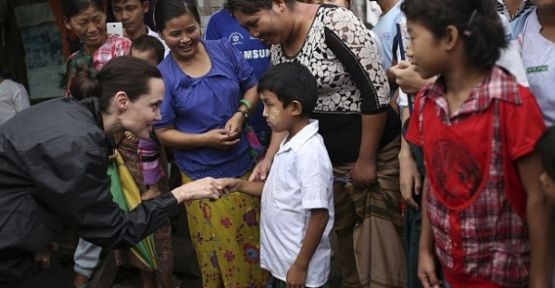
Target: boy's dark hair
[
  {"x": 291, "y": 81},
  {"x": 125, "y": 73},
  {"x": 71, "y": 8},
  {"x": 166, "y": 10},
  {"x": 250, "y": 7},
  {"x": 477, "y": 21},
  {"x": 546, "y": 148},
  {"x": 146, "y": 43}
]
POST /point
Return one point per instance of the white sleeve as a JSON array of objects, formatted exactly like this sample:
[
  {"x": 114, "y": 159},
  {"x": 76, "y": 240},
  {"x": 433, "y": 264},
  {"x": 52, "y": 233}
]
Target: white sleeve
[
  {"x": 402, "y": 99},
  {"x": 21, "y": 99},
  {"x": 315, "y": 175},
  {"x": 510, "y": 57}
]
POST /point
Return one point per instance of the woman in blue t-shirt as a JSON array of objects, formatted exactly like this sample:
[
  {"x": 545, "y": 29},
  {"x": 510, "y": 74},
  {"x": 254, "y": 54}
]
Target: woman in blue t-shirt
[{"x": 209, "y": 91}]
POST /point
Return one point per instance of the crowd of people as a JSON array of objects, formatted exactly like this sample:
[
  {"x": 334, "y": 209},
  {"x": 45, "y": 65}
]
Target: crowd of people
[{"x": 418, "y": 153}]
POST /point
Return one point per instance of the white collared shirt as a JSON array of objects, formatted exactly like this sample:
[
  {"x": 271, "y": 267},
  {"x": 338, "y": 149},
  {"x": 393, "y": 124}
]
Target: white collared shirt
[{"x": 301, "y": 179}]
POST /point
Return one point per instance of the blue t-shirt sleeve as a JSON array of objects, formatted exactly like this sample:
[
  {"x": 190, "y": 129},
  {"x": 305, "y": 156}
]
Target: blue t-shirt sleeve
[
  {"x": 213, "y": 29},
  {"x": 244, "y": 71},
  {"x": 167, "y": 108}
]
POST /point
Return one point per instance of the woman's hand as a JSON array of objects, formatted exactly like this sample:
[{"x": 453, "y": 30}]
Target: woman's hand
[
  {"x": 363, "y": 173},
  {"x": 235, "y": 124},
  {"x": 220, "y": 139},
  {"x": 205, "y": 188}
]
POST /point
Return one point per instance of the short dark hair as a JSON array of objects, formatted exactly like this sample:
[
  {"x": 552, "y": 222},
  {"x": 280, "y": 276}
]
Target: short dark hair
[
  {"x": 250, "y": 7},
  {"x": 291, "y": 81},
  {"x": 546, "y": 148},
  {"x": 71, "y": 8},
  {"x": 149, "y": 43},
  {"x": 125, "y": 73},
  {"x": 477, "y": 20},
  {"x": 166, "y": 10}
]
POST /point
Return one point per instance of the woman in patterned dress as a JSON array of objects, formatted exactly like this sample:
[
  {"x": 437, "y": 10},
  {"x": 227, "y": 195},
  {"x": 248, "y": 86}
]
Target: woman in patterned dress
[{"x": 202, "y": 120}]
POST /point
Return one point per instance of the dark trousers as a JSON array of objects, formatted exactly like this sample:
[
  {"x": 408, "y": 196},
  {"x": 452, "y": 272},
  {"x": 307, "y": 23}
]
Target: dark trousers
[
  {"x": 53, "y": 277},
  {"x": 412, "y": 238}
]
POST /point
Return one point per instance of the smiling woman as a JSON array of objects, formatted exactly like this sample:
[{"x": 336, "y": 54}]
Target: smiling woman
[
  {"x": 53, "y": 172},
  {"x": 87, "y": 20},
  {"x": 202, "y": 119}
]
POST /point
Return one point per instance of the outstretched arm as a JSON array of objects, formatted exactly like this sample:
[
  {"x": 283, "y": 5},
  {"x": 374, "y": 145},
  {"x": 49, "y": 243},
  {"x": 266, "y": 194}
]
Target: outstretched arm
[{"x": 234, "y": 184}]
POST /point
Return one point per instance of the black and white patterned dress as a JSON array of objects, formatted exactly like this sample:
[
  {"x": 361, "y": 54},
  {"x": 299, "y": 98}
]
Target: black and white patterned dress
[{"x": 340, "y": 102}]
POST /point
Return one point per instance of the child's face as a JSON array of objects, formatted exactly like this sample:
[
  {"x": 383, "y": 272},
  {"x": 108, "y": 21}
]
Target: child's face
[
  {"x": 279, "y": 118},
  {"x": 425, "y": 50},
  {"x": 548, "y": 186},
  {"x": 147, "y": 55}
]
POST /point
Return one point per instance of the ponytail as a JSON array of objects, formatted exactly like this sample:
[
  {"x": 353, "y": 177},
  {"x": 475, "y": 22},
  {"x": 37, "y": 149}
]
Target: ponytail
[{"x": 84, "y": 84}]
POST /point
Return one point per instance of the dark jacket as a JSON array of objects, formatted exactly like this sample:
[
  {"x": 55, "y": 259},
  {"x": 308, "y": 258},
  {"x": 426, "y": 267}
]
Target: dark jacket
[{"x": 53, "y": 164}]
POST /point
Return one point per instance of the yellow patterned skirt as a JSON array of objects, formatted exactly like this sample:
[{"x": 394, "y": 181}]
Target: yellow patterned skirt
[{"x": 226, "y": 237}]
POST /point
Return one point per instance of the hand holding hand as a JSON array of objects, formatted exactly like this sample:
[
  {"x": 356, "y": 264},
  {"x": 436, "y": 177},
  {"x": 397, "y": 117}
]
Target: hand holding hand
[
  {"x": 228, "y": 184},
  {"x": 199, "y": 189}
]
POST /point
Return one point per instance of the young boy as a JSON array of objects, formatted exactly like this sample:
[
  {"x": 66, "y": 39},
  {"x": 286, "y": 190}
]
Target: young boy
[
  {"x": 148, "y": 48},
  {"x": 297, "y": 202}
]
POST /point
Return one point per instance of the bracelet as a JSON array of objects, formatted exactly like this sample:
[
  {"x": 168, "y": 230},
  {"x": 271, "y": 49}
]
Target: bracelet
[
  {"x": 244, "y": 113},
  {"x": 245, "y": 103}
]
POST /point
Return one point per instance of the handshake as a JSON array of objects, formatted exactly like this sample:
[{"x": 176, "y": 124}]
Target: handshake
[{"x": 211, "y": 188}]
